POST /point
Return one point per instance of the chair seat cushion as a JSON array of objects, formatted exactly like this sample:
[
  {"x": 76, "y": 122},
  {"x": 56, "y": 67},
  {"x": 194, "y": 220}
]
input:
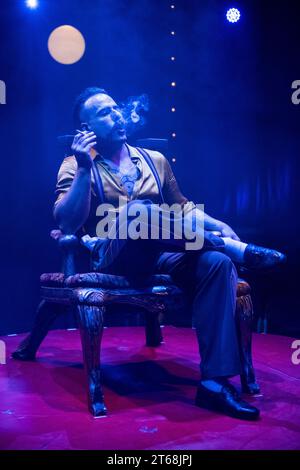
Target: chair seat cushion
[
  {"x": 109, "y": 281},
  {"x": 106, "y": 281}
]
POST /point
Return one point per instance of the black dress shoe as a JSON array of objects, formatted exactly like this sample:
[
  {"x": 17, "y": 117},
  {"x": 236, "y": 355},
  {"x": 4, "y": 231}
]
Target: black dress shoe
[
  {"x": 227, "y": 401},
  {"x": 258, "y": 257},
  {"x": 23, "y": 355}
]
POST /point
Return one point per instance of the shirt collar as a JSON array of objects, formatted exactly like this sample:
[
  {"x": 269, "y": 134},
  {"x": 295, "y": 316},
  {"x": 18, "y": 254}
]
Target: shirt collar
[{"x": 134, "y": 155}]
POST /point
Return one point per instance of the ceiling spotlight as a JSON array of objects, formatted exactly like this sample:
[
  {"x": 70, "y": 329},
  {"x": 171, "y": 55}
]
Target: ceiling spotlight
[
  {"x": 32, "y": 4},
  {"x": 233, "y": 15}
]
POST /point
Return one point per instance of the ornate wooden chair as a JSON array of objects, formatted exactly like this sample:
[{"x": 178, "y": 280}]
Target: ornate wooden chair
[{"x": 91, "y": 292}]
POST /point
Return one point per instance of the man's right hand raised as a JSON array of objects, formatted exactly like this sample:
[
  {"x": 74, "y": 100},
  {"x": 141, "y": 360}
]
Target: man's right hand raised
[{"x": 81, "y": 146}]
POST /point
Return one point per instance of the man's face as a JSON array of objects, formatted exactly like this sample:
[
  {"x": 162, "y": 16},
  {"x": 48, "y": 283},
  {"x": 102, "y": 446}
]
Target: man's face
[{"x": 102, "y": 115}]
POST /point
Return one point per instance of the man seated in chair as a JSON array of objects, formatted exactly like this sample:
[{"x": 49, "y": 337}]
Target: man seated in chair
[{"x": 208, "y": 274}]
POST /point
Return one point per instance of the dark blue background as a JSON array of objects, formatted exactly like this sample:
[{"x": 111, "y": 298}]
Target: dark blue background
[{"x": 237, "y": 145}]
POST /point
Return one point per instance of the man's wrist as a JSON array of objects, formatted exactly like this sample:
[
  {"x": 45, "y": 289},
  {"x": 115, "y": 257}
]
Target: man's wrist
[{"x": 84, "y": 170}]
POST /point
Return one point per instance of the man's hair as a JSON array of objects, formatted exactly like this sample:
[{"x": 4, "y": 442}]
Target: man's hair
[{"x": 81, "y": 99}]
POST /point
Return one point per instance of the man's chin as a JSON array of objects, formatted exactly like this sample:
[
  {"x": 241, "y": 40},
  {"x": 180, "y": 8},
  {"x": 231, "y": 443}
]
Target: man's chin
[
  {"x": 121, "y": 138},
  {"x": 117, "y": 142}
]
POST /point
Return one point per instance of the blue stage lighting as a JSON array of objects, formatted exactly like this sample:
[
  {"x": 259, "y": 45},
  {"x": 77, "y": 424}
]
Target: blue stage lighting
[
  {"x": 233, "y": 15},
  {"x": 32, "y": 4}
]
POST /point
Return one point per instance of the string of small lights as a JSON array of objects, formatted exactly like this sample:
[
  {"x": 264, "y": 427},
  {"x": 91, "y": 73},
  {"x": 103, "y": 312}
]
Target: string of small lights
[{"x": 173, "y": 60}]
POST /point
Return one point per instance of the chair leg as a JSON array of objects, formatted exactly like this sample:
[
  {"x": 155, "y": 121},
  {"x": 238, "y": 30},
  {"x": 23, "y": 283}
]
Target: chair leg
[
  {"x": 153, "y": 330},
  {"x": 244, "y": 319},
  {"x": 45, "y": 316},
  {"x": 91, "y": 329}
]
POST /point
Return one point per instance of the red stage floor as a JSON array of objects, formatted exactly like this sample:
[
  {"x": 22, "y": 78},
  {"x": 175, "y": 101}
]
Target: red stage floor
[{"x": 149, "y": 393}]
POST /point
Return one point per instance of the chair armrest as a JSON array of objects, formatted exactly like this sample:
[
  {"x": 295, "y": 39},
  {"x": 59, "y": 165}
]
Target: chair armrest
[{"x": 68, "y": 245}]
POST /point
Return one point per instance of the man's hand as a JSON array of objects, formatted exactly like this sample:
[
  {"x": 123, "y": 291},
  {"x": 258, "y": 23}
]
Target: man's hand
[
  {"x": 81, "y": 146},
  {"x": 227, "y": 231}
]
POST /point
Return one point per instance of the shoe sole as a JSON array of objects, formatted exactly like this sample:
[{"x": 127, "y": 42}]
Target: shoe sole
[{"x": 209, "y": 405}]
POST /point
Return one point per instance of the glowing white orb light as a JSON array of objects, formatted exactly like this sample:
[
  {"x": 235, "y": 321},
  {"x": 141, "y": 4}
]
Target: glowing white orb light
[
  {"x": 32, "y": 4},
  {"x": 66, "y": 44},
  {"x": 233, "y": 15}
]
